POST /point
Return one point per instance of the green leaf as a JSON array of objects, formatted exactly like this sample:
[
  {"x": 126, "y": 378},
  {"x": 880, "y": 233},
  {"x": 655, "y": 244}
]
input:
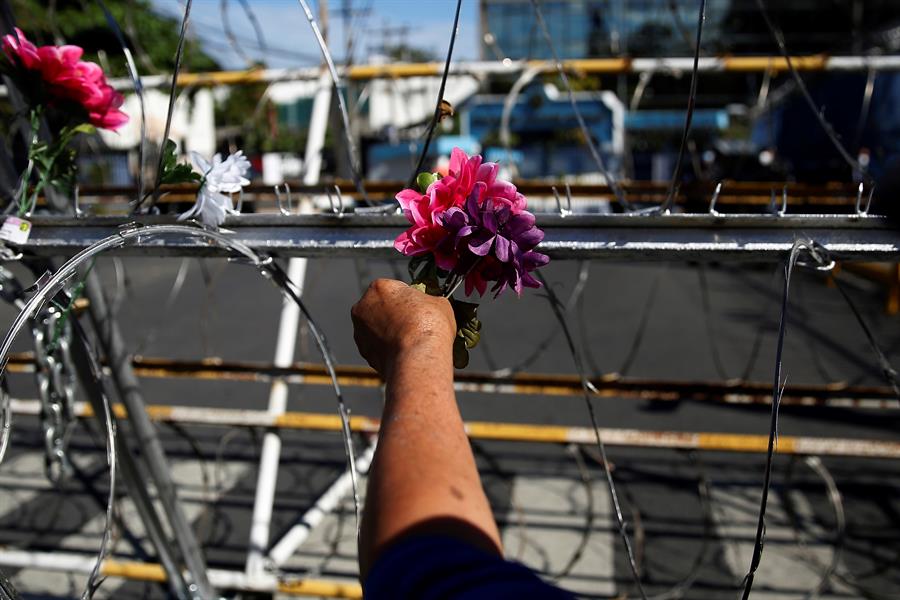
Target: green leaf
[
  {"x": 422, "y": 271},
  {"x": 423, "y": 180},
  {"x": 85, "y": 128},
  {"x": 460, "y": 353},
  {"x": 172, "y": 170},
  {"x": 468, "y": 330}
]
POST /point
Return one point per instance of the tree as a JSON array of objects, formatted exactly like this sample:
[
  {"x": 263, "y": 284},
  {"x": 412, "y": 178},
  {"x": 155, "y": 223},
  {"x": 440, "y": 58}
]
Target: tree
[{"x": 152, "y": 37}]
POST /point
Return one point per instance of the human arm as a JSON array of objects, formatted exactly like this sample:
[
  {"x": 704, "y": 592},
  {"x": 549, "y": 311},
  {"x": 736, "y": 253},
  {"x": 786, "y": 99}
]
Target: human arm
[{"x": 423, "y": 478}]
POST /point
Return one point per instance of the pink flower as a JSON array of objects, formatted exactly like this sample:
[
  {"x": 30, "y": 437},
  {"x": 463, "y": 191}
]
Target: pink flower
[
  {"x": 468, "y": 178},
  {"x": 66, "y": 77},
  {"x": 471, "y": 170},
  {"x": 19, "y": 47}
]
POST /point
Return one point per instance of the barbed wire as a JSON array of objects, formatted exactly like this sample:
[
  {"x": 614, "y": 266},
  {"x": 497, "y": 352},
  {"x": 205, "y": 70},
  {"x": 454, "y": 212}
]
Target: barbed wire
[
  {"x": 337, "y": 82},
  {"x": 622, "y": 525}
]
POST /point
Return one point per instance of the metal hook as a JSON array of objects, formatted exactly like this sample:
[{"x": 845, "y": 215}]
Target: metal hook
[
  {"x": 336, "y": 208},
  {"x": 7, "y": 254},
  {"x": 715, "y": 198},
  {"x": 784, "y": 197},
  {"x": 240, "y": 202},
  {"x": 563, "y": 212},
  {"x": 860, "y": 212},
  {"x": 77, "y": 194},
  {"x": 287, "y": 191},
  {"x": 869, "y": 201}
]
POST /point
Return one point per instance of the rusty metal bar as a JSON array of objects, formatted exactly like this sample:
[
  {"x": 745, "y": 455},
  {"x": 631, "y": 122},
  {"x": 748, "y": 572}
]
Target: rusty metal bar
[
  {"x": 69, "y": 562},
  {"x": 598, "y": 66},
  {"x": 610, "y": 385}
]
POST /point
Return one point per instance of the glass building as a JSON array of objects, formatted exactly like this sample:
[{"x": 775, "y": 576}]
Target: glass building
[{"x": 599, "y": 28}]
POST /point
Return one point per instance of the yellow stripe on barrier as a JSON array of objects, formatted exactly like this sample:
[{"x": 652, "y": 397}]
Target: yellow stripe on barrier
[
  {"x": 743, "y": 443},
  {"x": 816, "y": 62},
  {"x": 587, "y": 65},
  {"x": 515, "y": 432},
  {"x": 139, "y": 571},
  {"x": 133, "y": 570},
  {"x": 326, "y": 589},
  {"x": 220, "y": 78},
  {"x": 395, "y": 70},
  {"x": 525, "y": 432}
]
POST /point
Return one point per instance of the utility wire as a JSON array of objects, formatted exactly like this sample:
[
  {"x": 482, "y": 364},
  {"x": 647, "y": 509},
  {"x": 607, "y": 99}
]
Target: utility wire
[{"x": 440, "y": 99}]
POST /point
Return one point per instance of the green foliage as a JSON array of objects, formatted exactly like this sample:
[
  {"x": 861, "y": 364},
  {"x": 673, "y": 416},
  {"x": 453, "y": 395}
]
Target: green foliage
[
  {"x": 153, "y": 37},
  {"x": 172, "y": 170},
  {"x": 425, "y": 275},
  {"x": 405, "y": 53},
  {"x": 245, "y": 114},
  {"x": 468, "y": 331},
  {"x": 53, "y": 163}
]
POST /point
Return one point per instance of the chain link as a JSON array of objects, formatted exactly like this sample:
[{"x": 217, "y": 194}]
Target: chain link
[{"x": 55, "y": 375}]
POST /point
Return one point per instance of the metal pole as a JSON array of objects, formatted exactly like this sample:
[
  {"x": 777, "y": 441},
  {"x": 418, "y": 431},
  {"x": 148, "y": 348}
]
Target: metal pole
[
  {"x": 110, "y": 339},
  {"x": 260, "y": 524},
  {"x": 327, "y": 502},
  {"x": 271, "y": 449},
  {"x": 134, "y": 482}
]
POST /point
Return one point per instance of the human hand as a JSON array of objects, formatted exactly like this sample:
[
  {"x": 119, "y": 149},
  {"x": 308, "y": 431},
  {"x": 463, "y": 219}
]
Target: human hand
[{"x": 392, "y": 318}]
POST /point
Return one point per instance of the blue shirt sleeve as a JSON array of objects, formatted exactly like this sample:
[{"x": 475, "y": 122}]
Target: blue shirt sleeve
[{"x": 443, "y": 568}]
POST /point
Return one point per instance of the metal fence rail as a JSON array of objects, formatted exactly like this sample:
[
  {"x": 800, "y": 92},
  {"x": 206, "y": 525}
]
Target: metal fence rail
[
  {"x": 608, "y": 385},
  {"x": 612, "y": 236}
]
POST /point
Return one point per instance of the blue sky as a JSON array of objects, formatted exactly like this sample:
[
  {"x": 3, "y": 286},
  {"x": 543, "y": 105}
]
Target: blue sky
[{"x": 290, "y": 39}]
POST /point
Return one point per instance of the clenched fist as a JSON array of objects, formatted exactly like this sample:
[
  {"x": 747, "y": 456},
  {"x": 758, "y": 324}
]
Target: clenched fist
[{"x": 392, "y": 318}]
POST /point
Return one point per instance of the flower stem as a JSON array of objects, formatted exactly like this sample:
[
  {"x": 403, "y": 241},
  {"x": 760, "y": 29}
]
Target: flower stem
[
  {"x": 22, "y": 193},
  {"x": 454, "y": 283}
]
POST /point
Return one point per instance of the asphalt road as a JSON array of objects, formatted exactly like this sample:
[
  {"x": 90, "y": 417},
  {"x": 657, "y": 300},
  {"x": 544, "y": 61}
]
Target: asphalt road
[{"x": 693, "y": 515}]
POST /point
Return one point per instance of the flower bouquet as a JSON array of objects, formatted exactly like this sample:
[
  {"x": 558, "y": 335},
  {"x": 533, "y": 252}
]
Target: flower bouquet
[
  {"x": 471, "y": 228},
  {"x": 69, "y": 94}
]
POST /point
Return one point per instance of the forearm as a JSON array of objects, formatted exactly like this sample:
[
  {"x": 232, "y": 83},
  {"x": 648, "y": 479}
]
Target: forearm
[{"x": 423, "y": 470}]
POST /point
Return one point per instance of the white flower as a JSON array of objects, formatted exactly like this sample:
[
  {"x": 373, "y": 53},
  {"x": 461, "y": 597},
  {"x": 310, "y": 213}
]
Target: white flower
[{"x": 219, "y": 178}]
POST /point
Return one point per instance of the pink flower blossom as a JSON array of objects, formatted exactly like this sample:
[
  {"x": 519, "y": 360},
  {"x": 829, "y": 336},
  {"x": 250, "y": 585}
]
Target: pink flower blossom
[
  {"x": 67, "y": 78},
  {"x": 17, "y": 46},
  {"x": 473, "y": 224}
]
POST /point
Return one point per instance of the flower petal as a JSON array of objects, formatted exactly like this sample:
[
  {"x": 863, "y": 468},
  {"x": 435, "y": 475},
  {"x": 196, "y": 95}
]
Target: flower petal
[
  {"x": 501, "y": 248},
  {"x": 519, "y": 224},
  {"x": 201, "y": 165},
  {"x": 481, "y": 243},
  {"x": 457, "y": 159}
]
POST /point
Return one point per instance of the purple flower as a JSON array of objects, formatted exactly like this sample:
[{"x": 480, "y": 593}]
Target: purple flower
[{"x": 494, "y": 242}]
